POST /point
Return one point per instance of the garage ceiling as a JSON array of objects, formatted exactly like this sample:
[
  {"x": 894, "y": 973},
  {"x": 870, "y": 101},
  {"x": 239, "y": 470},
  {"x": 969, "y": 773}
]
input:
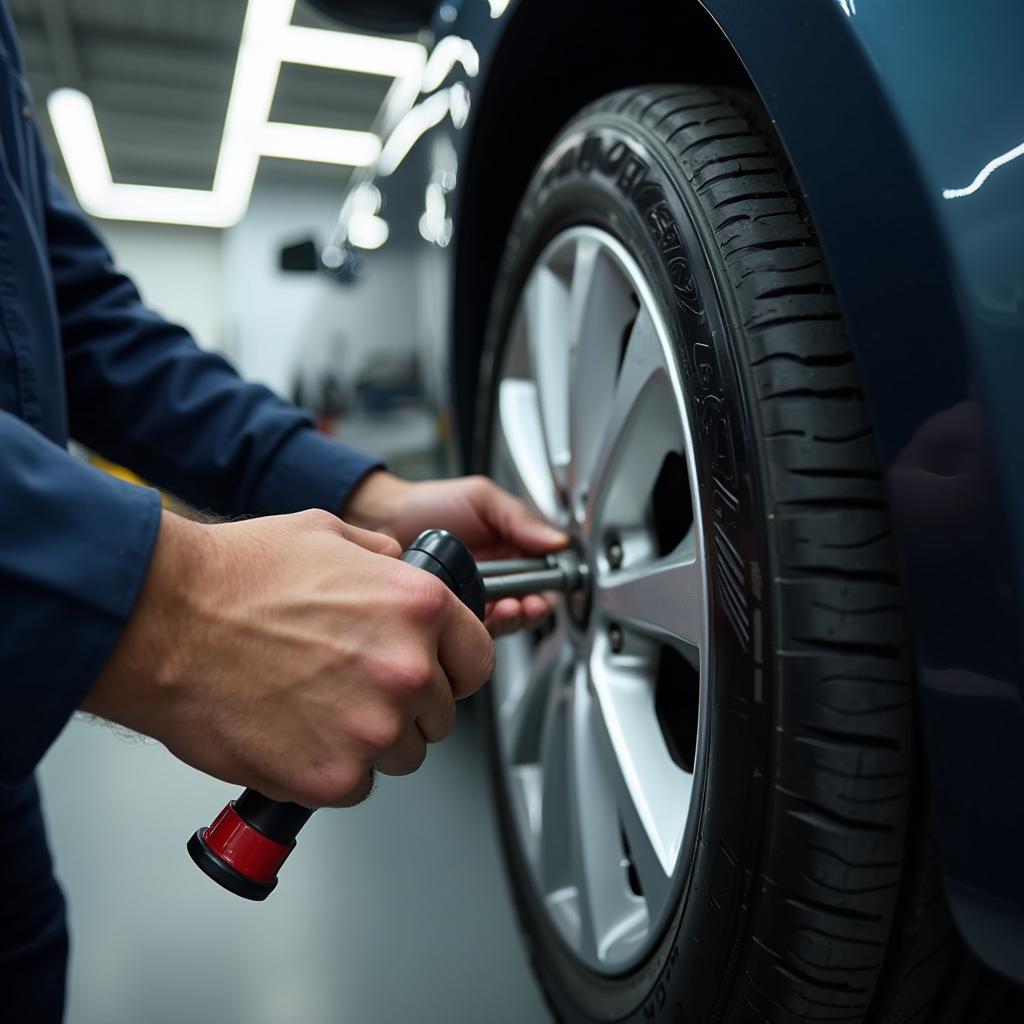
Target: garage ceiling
[{"x": 159, "y": 74}]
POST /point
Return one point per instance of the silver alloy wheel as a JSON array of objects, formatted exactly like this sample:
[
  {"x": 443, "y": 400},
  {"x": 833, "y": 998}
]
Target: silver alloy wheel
[{"x": 600, "y": 718}]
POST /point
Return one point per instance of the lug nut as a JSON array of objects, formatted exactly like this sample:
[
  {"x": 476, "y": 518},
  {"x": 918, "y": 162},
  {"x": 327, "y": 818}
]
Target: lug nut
[
  {"x": 614, "y": 553},
  {"x": 615, "y": 638}
]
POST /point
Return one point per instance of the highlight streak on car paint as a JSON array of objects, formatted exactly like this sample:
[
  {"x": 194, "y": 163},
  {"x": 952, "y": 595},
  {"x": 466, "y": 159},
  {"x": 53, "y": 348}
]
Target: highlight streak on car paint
[{"x": 983, "y": 174}]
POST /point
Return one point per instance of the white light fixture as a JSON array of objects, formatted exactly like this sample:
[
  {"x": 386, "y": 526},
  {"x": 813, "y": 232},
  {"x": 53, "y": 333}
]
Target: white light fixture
[
  {"x": 268, "y": 39},
  {"x": 347, "y": 51},
  {"x": 74, "y": 123},
  {"x": 319, "y": 145}
]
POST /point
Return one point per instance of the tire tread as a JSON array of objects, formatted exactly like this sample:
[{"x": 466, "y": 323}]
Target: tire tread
[
  {"x": 846, "y": 920},
  {"x": 846, "y": 769}
]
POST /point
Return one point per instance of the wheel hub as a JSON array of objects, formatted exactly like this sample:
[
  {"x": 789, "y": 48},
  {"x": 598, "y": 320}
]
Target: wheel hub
[{"x": 579, "y": 603}]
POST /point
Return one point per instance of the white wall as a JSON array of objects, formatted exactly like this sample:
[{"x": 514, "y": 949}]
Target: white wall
[
  {"x": 227, "y": 289},
  {"x": 277, "y": 320},
  {"x": 179, "y": 270}
]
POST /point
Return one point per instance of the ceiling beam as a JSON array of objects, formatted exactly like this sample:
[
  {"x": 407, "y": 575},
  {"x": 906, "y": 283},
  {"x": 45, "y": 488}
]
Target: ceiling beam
[{"x": 67, "y": 66}]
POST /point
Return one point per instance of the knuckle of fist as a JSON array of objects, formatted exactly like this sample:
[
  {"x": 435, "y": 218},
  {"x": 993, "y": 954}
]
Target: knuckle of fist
[
  {"x": 379, "y": 732},
  {"x": 318, "y": 518},
  {"x": 411, "y": 676},
  {"x": 427, "y": 599},
  {"x": 480, "y": 486},
  {"x": 339, "y": 786}
]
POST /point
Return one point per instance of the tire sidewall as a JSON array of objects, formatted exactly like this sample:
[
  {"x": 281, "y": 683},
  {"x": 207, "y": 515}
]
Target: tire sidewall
[{"x": 606, "y": 171}]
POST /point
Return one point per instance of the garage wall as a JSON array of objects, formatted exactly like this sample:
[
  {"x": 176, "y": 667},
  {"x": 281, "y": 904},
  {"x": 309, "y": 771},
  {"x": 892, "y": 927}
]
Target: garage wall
[
  {"x": 179, "y": 271},
  {"x": 227, "y": 289},
  {"x": 279, "y": 320}
]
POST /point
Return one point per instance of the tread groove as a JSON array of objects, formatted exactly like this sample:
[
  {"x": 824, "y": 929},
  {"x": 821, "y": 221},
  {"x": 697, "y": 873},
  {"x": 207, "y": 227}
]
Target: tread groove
[
  {"x": 817, "y": 906},
  {"x": 839, "y": 737}
]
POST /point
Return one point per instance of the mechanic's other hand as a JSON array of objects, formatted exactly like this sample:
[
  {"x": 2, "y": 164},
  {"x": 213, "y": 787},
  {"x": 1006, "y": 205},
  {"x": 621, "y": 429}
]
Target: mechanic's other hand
[
  {"x": 491, "y": 522},
  {"x": 293, "y": 654}
]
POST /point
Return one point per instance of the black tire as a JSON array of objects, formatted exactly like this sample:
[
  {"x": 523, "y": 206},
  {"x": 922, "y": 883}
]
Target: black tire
[{"x": 812, "y": 893}]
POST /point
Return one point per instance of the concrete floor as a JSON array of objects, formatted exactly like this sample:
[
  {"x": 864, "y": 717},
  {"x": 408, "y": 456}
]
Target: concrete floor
[{"x": 397, "y": 910}]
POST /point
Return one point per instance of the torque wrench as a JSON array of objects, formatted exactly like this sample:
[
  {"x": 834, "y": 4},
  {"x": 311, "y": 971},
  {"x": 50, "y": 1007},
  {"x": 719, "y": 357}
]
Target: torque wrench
[{"x": 245, "y": 846}]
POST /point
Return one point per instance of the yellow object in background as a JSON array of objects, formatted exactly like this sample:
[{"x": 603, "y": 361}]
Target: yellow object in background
[
  {"x": 115, "y": 470},
  {"x": 126, "y": 474}
]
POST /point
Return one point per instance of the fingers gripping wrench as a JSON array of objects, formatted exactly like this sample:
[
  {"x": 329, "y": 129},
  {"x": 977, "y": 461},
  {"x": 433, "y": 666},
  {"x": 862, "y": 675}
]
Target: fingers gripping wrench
[{"x": 245, "y": 846}]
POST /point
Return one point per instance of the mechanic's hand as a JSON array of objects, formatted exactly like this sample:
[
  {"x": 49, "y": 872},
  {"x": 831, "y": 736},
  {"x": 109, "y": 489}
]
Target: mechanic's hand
[
  {"x": 487, "y": 519},
  {"x": 292, "y": 654}
]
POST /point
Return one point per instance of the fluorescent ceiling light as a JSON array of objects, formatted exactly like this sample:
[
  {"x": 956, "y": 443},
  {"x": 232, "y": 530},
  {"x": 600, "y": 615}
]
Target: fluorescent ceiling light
[
  {"x": 74, "y": 123},
  {"x": 267, "y": 40},
  {"x": 78, "y": 134},
  {"x": 346, "y": 51},
  {"x": 320, "y": 145}
]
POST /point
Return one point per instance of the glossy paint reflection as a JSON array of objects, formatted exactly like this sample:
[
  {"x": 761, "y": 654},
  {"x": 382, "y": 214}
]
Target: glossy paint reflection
[{"x": 912, "y": 172}]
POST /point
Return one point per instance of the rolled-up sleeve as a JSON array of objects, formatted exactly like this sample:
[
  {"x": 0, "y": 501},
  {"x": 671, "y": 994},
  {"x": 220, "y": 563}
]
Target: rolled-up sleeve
[{"x": 75, "y": 545}]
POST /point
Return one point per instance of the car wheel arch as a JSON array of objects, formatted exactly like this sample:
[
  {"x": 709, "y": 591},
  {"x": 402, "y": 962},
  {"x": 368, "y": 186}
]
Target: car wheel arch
[{"x": 855, "y": 124}]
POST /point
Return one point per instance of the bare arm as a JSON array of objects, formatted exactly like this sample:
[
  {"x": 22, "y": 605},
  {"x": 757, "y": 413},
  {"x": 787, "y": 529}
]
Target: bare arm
[{"x": 293, "y": 654}]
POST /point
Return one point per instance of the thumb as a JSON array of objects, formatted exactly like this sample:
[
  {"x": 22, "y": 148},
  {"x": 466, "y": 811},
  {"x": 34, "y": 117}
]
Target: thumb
[{"x": 517, "y": 526}]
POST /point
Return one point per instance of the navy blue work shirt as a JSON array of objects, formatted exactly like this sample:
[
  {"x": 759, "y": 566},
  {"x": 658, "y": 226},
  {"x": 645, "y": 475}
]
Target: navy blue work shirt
[{"x": 81, "y": 355}]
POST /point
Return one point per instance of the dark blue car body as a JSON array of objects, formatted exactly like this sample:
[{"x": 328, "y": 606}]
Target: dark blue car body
[{"x": 903, "y": 124}]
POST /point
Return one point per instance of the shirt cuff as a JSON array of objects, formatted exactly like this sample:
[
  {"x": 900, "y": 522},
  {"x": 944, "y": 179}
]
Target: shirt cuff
[
  {"x": 68, "y": 627},
  {"x": 311, "y": 471}
]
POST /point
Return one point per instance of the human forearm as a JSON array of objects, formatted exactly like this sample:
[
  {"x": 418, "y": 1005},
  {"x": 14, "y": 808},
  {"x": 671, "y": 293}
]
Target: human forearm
[
  {"x": 293, "y": 654},
  {"x": 151, "y": 655}
]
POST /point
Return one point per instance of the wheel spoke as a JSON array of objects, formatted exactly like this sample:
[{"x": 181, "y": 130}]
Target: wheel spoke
[
  {"x": 522, "y": 449},
  {"x": 601, "y": 308},
  {"x": 555, "y": 853},
  {"x": 653, "y": 792},
  {"x": 528, "y": 700},
  {"x": 610, "y": 915},
  {"x": 641, "y": 425},
  {"x": 655, "y": 878},
  {"x": 546, "y": 303},
  {"x": 662, "y": 597}
]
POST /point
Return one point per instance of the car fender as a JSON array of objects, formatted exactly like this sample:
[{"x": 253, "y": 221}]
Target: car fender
[{"x": 902, "y": 124}]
